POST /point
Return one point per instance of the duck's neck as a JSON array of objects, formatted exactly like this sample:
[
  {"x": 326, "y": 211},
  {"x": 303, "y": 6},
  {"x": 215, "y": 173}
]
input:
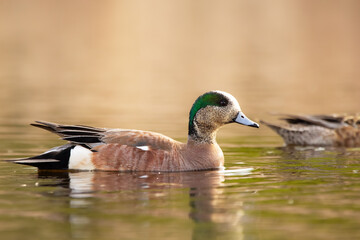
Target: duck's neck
[
  {"x": 199, "y": 155},
  {"x": 202, "y": 133}
]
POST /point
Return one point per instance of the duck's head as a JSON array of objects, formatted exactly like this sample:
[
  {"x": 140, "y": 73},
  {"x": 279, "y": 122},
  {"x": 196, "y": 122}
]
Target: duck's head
[{"x": 212, "y": 110}]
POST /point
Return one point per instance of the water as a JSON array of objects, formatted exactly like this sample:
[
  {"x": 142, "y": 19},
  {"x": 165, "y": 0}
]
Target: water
[{"x": 266, "y": 192}]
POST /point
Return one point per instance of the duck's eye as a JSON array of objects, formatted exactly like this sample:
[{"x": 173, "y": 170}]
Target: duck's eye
[{"x": 223, "y": 102}]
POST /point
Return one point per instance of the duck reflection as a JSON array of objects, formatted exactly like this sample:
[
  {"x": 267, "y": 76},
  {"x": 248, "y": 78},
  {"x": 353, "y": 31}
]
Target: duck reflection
[
  {"x": 204, "y": 190},
  {"x": 304, "y": 163}
]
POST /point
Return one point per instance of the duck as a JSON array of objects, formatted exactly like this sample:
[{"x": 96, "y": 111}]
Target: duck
[
  {"x": 328, "y": 130},
  {"x": 125, "y": 150}
]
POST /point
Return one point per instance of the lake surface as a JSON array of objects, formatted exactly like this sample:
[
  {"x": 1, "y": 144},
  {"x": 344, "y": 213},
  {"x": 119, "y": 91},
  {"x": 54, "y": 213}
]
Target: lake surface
[{"x": 266, "y": 192}]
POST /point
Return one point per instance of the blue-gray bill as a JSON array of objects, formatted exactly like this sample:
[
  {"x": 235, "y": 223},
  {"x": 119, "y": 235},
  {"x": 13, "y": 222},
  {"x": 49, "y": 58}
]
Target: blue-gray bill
[{"x": 242, "y": 119}]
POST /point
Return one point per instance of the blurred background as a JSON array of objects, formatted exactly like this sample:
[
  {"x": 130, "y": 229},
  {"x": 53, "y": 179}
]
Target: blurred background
[{"x": 141, "y": 64}]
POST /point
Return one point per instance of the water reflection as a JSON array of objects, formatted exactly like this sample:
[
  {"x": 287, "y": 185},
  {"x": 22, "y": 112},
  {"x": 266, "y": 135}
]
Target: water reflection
[
  {"x": 204, "y": 190},
  {"x": 315, "y": 164},
  {"x": 330, "y": 156},
  {"x": 293, "y": 191}
]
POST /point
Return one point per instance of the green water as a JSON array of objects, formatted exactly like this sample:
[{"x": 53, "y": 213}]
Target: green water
[{"x": 266, "y": 192}]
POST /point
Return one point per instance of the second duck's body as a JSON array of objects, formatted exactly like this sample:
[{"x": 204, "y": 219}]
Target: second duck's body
[
  {"x": 319, "y": 130},
  {"x": 92, "y": 148}
]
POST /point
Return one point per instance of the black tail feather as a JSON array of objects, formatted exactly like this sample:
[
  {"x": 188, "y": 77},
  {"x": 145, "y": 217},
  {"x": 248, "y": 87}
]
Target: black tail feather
[
  {"x": 83, "y": 139},
  {"x": 58, "y": 157},
  {"x": 78, "y": 134},
  {"x": 55, "y": 158}
]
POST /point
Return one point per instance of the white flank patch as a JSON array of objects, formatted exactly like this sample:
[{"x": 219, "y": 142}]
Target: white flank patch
[
  {"x": 144, "y": 148},
  {"x": 80, "y": 159}
]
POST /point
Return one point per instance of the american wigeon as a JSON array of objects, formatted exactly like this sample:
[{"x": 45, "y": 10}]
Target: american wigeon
[
  {"x": 92, "y": 148},
  {"x": 319, "y": 130}
]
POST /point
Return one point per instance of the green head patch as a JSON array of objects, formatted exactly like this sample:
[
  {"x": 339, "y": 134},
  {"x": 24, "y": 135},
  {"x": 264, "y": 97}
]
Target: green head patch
[{"x": 207, "y": 99}]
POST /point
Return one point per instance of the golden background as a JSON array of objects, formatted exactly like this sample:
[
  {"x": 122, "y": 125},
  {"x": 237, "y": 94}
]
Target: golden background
[{"x": 141, "y": 64}]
